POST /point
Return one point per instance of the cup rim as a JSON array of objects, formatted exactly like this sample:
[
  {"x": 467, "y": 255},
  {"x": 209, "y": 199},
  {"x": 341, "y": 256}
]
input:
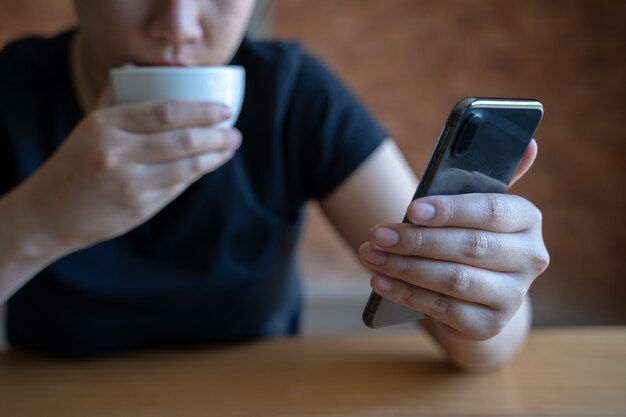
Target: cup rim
[{"x": 181, "y": 69}]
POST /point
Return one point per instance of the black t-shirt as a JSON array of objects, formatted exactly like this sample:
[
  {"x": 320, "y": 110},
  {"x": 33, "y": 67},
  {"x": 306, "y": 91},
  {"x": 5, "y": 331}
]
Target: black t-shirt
[{"x": 217, "y": 264}]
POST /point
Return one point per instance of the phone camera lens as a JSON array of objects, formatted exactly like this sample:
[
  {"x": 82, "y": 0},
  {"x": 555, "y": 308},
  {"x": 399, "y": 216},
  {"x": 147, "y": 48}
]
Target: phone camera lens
[{"x": 466, "y": 135}]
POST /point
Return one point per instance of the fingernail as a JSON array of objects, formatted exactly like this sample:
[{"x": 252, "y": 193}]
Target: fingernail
[
  {"x": 383, "y": 284},
  {"x": 422, "y": 211},
  {"x": 384, "y": 236},
  {"x": 374, "y": 257}
]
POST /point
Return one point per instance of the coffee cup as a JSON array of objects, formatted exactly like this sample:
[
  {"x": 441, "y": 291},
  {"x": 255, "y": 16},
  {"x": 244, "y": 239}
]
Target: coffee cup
[{"x": 222, "y": 84}]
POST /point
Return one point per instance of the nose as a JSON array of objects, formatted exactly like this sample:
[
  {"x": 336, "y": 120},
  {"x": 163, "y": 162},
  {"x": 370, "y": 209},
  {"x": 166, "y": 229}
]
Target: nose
[{"x": 176, "y": 22}]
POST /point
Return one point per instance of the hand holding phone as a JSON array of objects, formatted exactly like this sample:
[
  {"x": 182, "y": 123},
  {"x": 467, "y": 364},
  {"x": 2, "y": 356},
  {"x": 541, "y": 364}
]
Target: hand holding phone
[{"x": 478, "y": 151}]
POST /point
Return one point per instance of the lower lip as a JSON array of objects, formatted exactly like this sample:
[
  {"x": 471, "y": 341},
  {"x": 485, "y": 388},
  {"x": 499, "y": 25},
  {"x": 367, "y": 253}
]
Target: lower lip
[{"x": 160, "y": 64}]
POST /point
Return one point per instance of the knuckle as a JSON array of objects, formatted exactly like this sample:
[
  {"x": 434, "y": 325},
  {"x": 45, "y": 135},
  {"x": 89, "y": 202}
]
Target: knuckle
[
  {"x": 209, "y": 111},
  {"x": 493, "y": 324},
  {"x": 404, "y": 266},
  {"x": 417, "y": 240},
  {"x": 186, "y": 140},
  {"x": 101, "y": 162},
  {"x": 495, "y": 210},
  {"x": 531, "y": 211},
  {"x": 518, "y": 294},
  {"x": 459, "y": 280},
  {"x": 536, "y": 214},
  {"x": 406, "y": 297},
  {"x": 128, "y": 195},
  {"x": 540, "y": 260},
  {"x": 440, "y": 305},
  {"x": 99, "y": 117},
  {"x": 510, "y": 298},
  {"x": 476, "y": 244},
  {"x": 448, "y": 210},
  {"x": 196, "y": 165},
  {"x": 105, "y": 160},
  {"x": 165, "y": 113},
  {"x": 138, "y": 212},
  {"x": 127, "y": 190}
]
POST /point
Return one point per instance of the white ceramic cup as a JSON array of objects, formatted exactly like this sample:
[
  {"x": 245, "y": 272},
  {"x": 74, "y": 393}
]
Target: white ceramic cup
[{"x": 222, "y": 84}]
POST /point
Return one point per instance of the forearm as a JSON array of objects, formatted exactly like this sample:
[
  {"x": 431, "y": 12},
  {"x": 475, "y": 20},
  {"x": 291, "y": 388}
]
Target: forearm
[
  {"x": 488, "y": 354},
  {"x": 26, "y": 244}
]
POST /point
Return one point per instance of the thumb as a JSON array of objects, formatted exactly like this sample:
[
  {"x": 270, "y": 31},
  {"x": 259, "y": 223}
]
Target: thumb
[{"x": 527, "y": 161}]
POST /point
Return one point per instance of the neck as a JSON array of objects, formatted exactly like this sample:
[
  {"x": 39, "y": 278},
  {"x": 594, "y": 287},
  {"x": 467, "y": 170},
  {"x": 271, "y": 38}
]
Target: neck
[{"x": 89, "y": 83}]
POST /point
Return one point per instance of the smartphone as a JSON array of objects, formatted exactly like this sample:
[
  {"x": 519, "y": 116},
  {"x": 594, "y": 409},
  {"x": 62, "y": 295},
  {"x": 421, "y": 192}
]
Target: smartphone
[{"x": 478, "y": 151}]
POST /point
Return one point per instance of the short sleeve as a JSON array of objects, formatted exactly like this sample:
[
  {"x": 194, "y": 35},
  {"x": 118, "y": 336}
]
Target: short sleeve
[{"x": 331, "y": 128}]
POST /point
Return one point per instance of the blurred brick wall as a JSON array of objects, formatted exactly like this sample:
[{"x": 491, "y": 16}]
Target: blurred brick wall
[
  {"x": 410, "y": 60},
  {"x": 21, "y": 17}
]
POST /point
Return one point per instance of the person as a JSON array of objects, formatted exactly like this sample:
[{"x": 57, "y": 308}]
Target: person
[{"x": 126, "y": 226}]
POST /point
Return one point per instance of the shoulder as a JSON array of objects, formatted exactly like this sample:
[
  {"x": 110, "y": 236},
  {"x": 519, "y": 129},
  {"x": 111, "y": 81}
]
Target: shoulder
[
  {"x": 271, "y": 55},
  {"x": 271, "y": 67},
  {"x": 287, "y": 63},
  {"x": 32, "y": 60}
]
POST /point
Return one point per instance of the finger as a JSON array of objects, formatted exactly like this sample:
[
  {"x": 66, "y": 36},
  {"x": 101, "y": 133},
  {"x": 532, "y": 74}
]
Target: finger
[
  {"x": 473, "y": 320},
  {"x": 157, "y": 116},
  {"x": 180, "y": 143},
  {"x": 506, "y": 252},
  {"x": 493, "y": 289},
  {"x": 527, "y": 161},
  {"x": 500, "y": 213},
  {"x": 186, "y": 170}
]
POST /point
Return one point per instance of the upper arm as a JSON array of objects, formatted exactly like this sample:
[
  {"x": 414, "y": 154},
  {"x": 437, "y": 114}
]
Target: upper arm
[{"x": 378, "y": 191}]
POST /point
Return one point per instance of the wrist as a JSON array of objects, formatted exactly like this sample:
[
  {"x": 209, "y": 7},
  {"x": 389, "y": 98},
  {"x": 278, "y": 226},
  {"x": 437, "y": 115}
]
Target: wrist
[
  {"x": 25, "y": 236},
  {"x": 484, "y": 355}
]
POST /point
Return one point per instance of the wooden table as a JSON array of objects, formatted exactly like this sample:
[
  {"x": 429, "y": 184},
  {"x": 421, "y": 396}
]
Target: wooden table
[{"x": 561, "y": 372}]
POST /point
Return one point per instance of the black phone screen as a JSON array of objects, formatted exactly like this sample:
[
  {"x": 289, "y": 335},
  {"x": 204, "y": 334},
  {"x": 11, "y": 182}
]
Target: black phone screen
[{"x": 485, "y": 150}]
